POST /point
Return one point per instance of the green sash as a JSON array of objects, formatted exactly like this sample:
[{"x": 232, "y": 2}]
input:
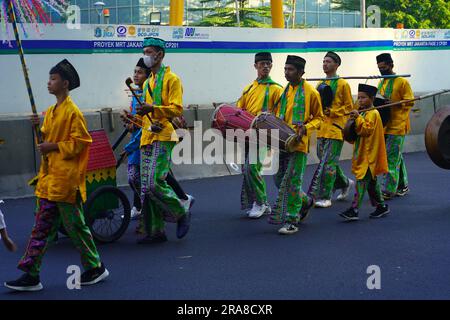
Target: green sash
[
  {"x": 298, "y": 116},
  {"x": 389, "y": 87},
  {"x": 156, "y": 93}
]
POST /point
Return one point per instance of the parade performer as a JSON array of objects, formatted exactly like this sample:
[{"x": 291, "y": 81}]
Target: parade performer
[
  {"x": 300, "y": 107},
  {"x": 163, "y": 100},
  {"x": 259, "y": 96},
  {"x": 395, "y": 89},
  {"x": 329, "y": 176},
  {"x": 61, "y": 185},
  {"x": 369, "y": 155}
]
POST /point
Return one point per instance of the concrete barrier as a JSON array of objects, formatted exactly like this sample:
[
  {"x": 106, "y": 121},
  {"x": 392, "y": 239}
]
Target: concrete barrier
[{"x": 19, "y": 161}]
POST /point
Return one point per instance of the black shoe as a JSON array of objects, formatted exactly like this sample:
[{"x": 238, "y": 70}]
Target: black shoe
[
  {"x": 93, "y": 276},
  {"x": 401, "y": 192},
  {"x": 183, "y": 225},
  {"x": 380, "y": 212},
  {"x": 350, "y": 214},
  {"x": 25, "y": 283},
  {"x": 153, "y": 239}
]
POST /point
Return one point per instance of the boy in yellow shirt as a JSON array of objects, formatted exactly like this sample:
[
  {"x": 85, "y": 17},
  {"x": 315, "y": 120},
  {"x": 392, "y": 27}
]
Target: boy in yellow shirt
[
  {"x": 301, "y": 109},
  {"x": 163, "y": 94},
  {"x": 369, "y": 155},
  {"x": 329, "y": 176},
  {"x": 61, "y": 186},
  {"x": 395, "y": 89},
  {"x": 259, "y": 96}
]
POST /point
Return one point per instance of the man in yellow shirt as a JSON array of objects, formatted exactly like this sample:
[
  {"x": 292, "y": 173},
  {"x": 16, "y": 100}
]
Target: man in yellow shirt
[
  {"x": 369, "y": 155},
  {"x": 259, "y": 96},
  {"x": 329, "y": 175},
  {"x": 395, "y": 89},
  {"x": 61, "y": 186},
  {"x": 301, "y": 109},
  {"x": 163, "y": 101}
]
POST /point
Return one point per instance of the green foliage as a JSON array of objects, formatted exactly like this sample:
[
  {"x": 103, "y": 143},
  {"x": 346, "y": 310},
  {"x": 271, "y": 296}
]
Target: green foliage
[
  {"x": 221, "y": 15},
  {"x": 414, "y": 14}
]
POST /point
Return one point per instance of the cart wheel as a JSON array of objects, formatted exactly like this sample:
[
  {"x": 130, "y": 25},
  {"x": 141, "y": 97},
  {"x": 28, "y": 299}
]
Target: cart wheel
[{"x": 108, "y": 213}]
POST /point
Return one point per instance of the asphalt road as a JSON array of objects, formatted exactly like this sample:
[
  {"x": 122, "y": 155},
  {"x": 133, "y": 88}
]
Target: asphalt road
[{"x": 228, "y": 256}]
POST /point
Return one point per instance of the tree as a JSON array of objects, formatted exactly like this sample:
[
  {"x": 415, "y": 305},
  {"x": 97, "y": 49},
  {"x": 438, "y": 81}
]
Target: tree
[
  {"x": 224, "y": 15},
  {"x": 414, "y": 14}
]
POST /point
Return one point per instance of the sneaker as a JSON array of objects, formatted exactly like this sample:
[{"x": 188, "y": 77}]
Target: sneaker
[
  {"x": 323, "y": 203},
  {"x": 187, "y": 204},
  {"x": 153, "y": 239},
  {"x": 25, "y": 283},
  {"x": 94, "y": 275},
  {"x": 387, "y": 195},
  {"x": 380, "y": 211},
  {"x": 258, "y": 210},
  {"x": 345, "y": 191},
  {"x": 135, "y": 213},
  {"x": 252, "y": 208},
  {"x": 288, "y": 228},
  {"x": 401, "y": 192},
  {"x": 350, "y": 214},
  {"x": 183, "y": 225},
  {"x": 304, "y": 211}
]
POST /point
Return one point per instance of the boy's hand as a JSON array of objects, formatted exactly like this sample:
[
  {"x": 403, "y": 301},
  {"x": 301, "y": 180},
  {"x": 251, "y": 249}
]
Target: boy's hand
[
  {"x": 354, "y": 114},
  {"x": 34, "y": 118},
  {"x": 47, "y": 147},
  {"x": 147, "y": 108},
  {"x": 301, "y": 131},
  {"x": 130, "y": 127}
]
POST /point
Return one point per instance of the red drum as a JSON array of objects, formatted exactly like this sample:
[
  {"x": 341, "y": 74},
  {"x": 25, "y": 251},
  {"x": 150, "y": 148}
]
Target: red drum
[
  {"x": 287, "y": 137},
  {"x": 230, "y": 117}
]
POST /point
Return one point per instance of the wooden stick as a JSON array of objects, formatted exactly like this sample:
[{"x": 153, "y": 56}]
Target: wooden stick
[
  {"x": 405, "y": 101},
  {"x": 390, "y": 76}
]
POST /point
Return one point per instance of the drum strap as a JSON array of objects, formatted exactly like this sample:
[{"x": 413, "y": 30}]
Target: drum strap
[
  {"x": 389, "y": 88},
  {"x": 298, "y": 114}
]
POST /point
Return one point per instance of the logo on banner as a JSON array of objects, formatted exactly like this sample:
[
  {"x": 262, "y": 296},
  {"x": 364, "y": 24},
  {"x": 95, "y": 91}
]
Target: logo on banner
[
  {"x": 190, "y": 33},
  {"x": 108, "y": 32},
  {"x": 132, "y": 31},
  {"x": 121, "y": 31},
  {"x": 148, "y": 32},
  {"x": 178, "y": 33},
  {"x": 98, "y": 32}
]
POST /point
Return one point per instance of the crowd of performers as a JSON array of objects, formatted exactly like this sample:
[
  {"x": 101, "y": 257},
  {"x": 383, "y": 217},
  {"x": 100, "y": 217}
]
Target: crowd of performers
[{"x": 158, "y": 198}]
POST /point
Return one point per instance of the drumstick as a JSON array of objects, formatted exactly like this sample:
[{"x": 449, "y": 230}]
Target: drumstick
[
  {"x": 404, "y": 101},
  {"x": 128, "y": 82}
]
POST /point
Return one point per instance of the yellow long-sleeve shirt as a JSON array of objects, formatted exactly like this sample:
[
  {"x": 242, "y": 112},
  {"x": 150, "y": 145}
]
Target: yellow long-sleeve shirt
[
  {"x": 313, "y": 112},
  {"x": 399, "y": 121},
  {"x": 252, "y": 100},
  {"x": 66, "y": 172},
  {"x": 172, "y": 106},
  {"x": 369, "y": 151},
  {"x": 342, "y": 103}
]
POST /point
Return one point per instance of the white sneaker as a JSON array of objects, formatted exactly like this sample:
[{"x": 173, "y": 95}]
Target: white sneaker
[
  {"x": 187, "y": 204},
  {"x": 345, "y": 191},
  {"x": 288, "y": 228},
  {"x": 135, "y": 213},
  {"x": 323, "y": 203},
  {"x": 252, "y": 209},
  {"x": 258, "y": 210}
]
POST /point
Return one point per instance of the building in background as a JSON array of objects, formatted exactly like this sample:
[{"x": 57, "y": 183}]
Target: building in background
[{"x": 308, "y": 13}]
